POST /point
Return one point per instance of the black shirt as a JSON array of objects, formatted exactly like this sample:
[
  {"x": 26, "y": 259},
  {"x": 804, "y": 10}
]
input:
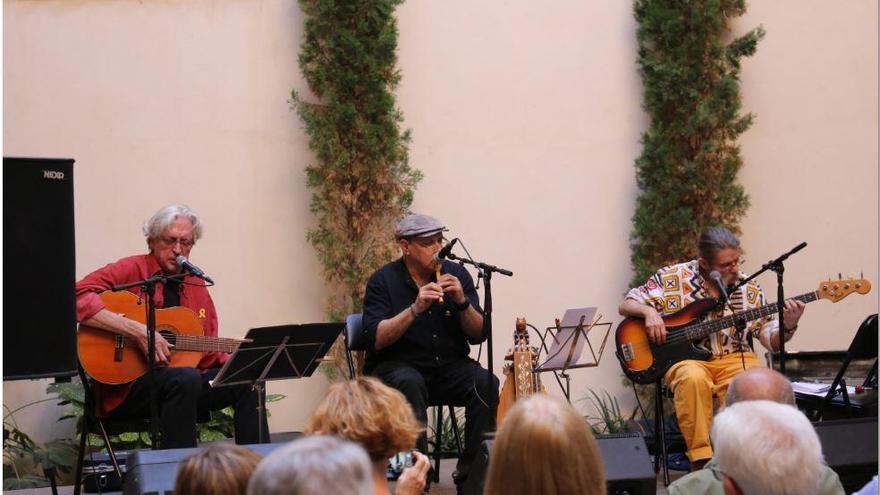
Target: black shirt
[{"x": 435, "y": 338}]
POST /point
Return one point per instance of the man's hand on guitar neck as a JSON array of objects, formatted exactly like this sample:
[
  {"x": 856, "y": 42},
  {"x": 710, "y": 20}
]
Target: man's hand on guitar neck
[
  {"x": 116, "y": 323},
  {"x": 654, "y": 325}
]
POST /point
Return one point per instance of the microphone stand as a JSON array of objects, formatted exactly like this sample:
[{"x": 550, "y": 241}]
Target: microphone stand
[
  {"x": 485, "y": 271},
  {"x": 148, "y": 292},
  {"x": 738, "y": 323},
  {"x": 777, "y": 266}
]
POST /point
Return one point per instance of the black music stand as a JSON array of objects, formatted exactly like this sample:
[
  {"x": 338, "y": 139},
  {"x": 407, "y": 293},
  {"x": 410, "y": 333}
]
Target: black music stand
[
  {"x": 277, "y": 353},
  {"x": 567, "y": 347}
]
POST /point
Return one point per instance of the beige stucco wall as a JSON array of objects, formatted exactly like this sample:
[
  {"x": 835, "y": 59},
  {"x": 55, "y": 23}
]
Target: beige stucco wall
[{"x": 526, "y": 120}]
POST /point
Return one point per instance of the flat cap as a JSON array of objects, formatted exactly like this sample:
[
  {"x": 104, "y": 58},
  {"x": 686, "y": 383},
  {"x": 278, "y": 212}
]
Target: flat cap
[{"x": 418, "y": 225}]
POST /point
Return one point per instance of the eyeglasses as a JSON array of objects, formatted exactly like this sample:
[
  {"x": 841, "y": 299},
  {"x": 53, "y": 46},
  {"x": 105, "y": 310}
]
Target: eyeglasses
[
  {"x": 717, "y": 472},
  {"x": 172, "y": 241},
  {"x": 730, "y": 264},
  {"x": 427, "y": 242}
]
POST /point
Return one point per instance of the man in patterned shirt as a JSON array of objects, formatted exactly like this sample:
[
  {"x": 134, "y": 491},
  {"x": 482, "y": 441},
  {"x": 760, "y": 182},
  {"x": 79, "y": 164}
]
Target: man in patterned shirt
[{"x": 695, "y": 382}]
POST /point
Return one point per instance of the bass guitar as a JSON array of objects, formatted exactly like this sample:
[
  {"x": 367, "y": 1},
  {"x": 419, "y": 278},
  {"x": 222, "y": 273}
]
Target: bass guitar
[
  {"x": 113, "y": 359},
  {"x": 646, "y": 362}
]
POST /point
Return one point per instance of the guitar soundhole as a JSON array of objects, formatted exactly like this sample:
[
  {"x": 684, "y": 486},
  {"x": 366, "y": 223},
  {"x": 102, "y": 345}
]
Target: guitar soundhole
[{"x": 170, "y": 336}]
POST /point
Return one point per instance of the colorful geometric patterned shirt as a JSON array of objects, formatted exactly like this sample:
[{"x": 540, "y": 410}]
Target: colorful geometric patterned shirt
[{"x": 675, "y": 286}]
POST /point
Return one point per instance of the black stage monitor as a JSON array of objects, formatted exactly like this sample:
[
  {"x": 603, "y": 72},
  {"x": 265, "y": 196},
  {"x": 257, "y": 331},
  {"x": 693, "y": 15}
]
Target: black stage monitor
[{"x": 39, "y": 300}]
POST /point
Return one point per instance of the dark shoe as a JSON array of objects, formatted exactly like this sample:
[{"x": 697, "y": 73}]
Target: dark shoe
[
  {"x": 699, "y": 464},
  {"x": 459, "y": 482}
]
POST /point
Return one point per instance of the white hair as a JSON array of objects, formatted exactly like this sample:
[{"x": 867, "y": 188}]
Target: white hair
[
  {"x": 164, "y": 218},
  {"x": 314, "y": 465},
  {"x": 767, "y": 448}
]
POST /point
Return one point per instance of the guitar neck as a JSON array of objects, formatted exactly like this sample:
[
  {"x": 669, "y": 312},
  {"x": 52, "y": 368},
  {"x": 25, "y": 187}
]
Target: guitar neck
[
  {"x": 200, "y": 343},
  {"x": 707, "y": 328}
]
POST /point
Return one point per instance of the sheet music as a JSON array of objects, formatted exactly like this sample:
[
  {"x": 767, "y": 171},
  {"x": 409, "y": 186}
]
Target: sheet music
[
  {"x": 558, "y": 356},
  {"x": 816, "y": 389}
]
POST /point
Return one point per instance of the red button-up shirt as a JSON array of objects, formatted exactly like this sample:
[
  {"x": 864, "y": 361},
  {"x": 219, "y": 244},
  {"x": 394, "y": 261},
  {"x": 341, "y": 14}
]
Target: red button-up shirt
[{"x": 194, "y": 295}]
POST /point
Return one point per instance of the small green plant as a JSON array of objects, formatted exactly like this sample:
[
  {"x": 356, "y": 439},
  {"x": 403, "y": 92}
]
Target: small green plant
[
  {"x": 447, "y": 437},
  {"x": 220, "y": 426},
  {"x": 24, "y": 459},
  {"x": 608, "y": 417}
]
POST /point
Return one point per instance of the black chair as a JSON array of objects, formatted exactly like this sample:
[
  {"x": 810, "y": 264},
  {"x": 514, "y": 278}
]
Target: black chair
[
  {"x": 661, "y": 452},
  {"x": 661, "y": 446},
  {"x": 355, "y": 341},
  {"x": 863, "y": 346},
  {"x": 105, "y": 427}
]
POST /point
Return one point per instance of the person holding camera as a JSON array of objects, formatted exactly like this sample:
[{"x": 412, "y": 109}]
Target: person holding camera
[{"x": 377, "y": 417}]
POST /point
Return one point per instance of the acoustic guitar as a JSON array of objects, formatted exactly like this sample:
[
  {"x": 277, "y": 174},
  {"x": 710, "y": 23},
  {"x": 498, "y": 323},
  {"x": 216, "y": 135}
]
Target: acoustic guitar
[
  {"x": 113, "y": 359},
  {"x": 646, "y": 362}
]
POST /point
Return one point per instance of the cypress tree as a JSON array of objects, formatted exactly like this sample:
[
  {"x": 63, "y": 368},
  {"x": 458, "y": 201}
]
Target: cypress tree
[
  {"x": 361, "y": 181},
  {"x": 687, "y": 170}
]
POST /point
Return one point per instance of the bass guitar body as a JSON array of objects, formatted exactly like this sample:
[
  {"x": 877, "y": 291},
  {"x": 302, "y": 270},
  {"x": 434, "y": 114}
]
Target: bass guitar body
[
  {"x": 111, "y": 359},
  {"x": 644, "y": 362}
]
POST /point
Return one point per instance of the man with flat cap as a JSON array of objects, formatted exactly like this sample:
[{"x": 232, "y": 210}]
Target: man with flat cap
[{"x": 420, "y": 345}]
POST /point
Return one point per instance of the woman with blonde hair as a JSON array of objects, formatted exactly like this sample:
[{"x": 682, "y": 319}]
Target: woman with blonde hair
[
  {"x": 218, "y": 469},
  {"x": 379, "y": 418},
  {"x": 545, "y": 447}
]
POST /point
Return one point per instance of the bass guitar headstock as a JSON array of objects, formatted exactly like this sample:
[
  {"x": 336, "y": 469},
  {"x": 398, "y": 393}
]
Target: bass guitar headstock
[{"x": 835, "y": 290}]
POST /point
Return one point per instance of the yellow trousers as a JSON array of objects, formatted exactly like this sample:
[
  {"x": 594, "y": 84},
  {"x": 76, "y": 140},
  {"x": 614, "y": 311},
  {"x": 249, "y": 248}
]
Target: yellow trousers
[{"x": 694, "y": 384}]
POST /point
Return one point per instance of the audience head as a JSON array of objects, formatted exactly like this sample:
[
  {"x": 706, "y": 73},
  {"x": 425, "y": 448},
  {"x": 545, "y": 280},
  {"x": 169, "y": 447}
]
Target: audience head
[
  {"x": 314, "y": 466},
  {"x": 766, "y": 448},
  {"x": 544, "y": 446},
  {"x": 370, "y": 413},
  {"x": 218, "y": 469},
  {"x": 760, "y": 384}
]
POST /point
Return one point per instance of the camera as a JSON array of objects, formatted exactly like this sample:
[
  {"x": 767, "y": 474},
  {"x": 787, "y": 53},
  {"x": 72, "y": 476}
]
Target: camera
[{"x": 398, "y": 463}]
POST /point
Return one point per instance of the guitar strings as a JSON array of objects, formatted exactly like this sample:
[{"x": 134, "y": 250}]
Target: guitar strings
[{"x": 681, "y": 335}]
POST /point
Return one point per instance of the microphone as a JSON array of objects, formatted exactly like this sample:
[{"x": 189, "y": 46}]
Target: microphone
[
  {"x": 720, "y": 283},
  {"x": 444, "y": 251},
  {"x": 192, "y": 269}
]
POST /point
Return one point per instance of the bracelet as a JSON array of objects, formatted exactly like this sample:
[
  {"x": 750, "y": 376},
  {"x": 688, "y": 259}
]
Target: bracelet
[
  {"x": 412, "y": 309},
  {"x": 789, "y": 330},
  {"x": 463, "y": 306}
]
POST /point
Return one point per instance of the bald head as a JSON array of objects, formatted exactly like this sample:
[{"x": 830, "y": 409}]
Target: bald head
[{"x": 760, "y": 384}]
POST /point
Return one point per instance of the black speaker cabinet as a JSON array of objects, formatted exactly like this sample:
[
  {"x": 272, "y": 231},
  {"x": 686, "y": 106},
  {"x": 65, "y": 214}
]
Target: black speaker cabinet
[
  {"x": 39, "y": 275},
  {"x": 628, "y": 469},
  {"x": 850, "y": 448},
  {"x": 155, "y": 471}
]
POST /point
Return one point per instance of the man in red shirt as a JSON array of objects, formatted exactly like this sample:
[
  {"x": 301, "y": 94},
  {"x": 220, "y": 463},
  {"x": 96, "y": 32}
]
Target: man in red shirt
[{"x": 181, "y": 392}]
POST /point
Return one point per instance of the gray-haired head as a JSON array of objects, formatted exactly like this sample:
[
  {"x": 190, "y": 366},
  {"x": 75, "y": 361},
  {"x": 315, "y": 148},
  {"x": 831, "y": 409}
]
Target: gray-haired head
[
  {"x": 767, "y": 448},
  {"x": 715, "y": 239},
  {"x": 760, "y": 384},
  {"x": 314, "y": 465},
  {"x": 164, "y": 218}
]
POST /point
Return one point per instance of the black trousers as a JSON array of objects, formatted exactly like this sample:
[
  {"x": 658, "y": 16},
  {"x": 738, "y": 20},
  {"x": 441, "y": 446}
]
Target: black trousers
[
  {"x": 461, "y": 383},
  {"x": 183, "y": 393}
]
